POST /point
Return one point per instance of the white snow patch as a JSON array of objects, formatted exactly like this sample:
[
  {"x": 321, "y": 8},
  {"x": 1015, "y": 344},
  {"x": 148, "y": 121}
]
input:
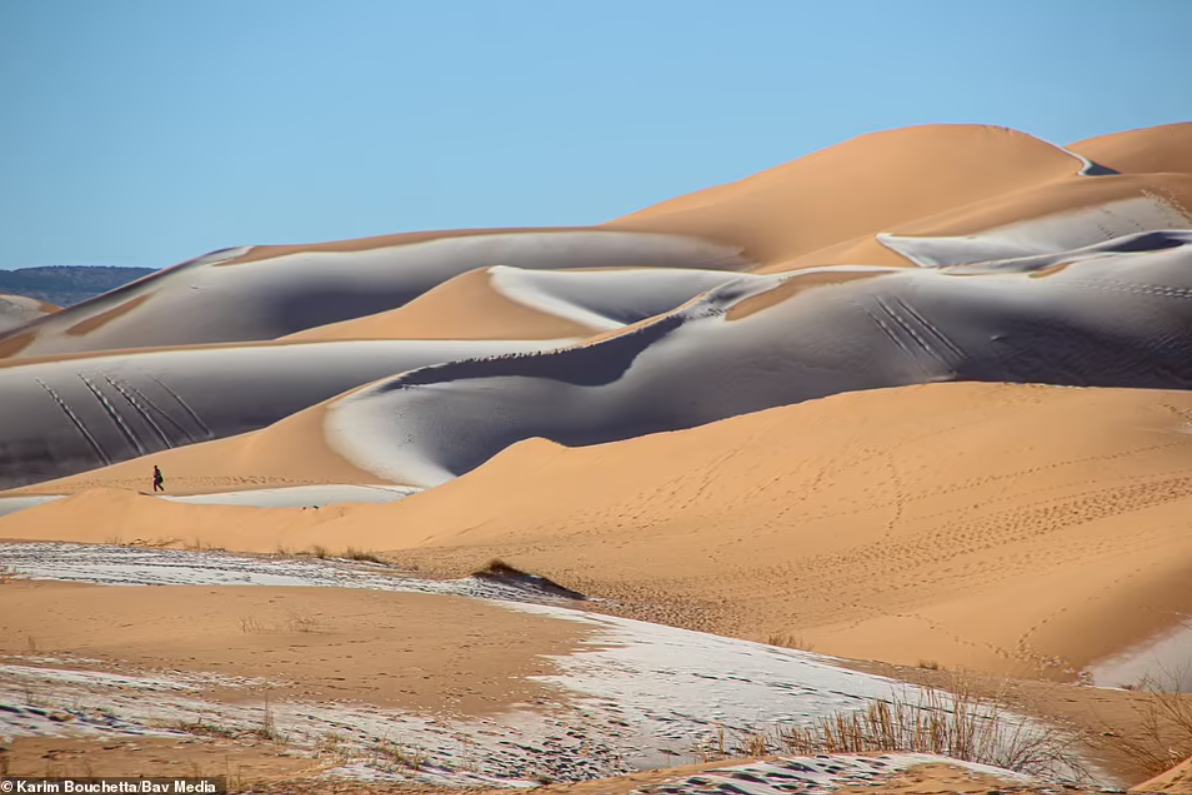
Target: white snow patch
[
  {"x": 130, "y": 565},
  {"x": 1046, "y": 235},
  {"x": 283, "y": 497},
  {"x": 1163, "y": 662},
  {"x": 605, "y": 300}
]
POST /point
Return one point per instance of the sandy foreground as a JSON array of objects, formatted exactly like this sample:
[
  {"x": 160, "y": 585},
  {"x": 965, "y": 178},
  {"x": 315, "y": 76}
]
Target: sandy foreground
[
  {"x": 325, "y": 689},
  {"x": 409, "y": 650},
  {"x": 368, "y": 679}
]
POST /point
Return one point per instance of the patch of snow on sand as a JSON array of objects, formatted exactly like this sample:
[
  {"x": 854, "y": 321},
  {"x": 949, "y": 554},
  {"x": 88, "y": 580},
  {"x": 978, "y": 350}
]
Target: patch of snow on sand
[
  {"x": 1046, "y": 235},
  {"x": 810, "y": 775},
  {"x": 509, "y": 751},
  {"x": 130, "y": 565},
  {"x": 605, "y": 300},
  {"x": 284, "y": 497},
  {"x": 676, "y": 688},
  {"x": 1163, "y": 662},
  {"x": 642, "y": 696}
]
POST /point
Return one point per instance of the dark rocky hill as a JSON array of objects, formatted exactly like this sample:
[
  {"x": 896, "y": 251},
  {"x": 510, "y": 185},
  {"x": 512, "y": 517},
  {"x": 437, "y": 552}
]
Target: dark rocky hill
[{"x": 67, "y": 284}]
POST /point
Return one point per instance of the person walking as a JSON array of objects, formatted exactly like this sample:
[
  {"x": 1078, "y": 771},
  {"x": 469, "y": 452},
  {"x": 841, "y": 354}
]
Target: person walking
[{"x": 158, "y": 480}]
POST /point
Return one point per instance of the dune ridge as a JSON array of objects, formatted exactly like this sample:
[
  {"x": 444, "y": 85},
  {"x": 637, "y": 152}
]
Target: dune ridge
[
  {"x": 18, "y": 310},
  {"x": 293, "y": 289},
  {"x": 1024, "y": 320}
]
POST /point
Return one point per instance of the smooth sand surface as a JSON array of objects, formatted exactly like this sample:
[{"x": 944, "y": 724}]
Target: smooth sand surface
[
  {"x": 860, "y": 187},
  {"x": 1177, "y": 781},
  {"x": 1165, "y": 148},
  {"x": 1171, "y": 194},
  {"x": 1024, "y": 529},
  {"x": 165, "y": 757},
  {"x": 428, "y": 653}
]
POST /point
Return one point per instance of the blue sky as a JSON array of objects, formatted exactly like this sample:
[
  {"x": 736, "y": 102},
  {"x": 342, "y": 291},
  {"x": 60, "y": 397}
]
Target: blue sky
[{"x": 145, "y": 132}]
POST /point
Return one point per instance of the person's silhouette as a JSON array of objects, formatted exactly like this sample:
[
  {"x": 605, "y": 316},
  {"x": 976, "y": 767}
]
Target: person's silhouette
[{"x": 158, "y": 480}]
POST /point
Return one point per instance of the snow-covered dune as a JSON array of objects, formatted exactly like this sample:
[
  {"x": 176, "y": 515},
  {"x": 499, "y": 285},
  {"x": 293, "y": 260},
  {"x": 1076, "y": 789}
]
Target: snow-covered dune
[
  {"x": 17, "y": 310},
  {"x": 1107, "y": 315},
  {"x": 503, "y": 302},
  {"x": 69, "y": 415},
  {"x": 258, "y": 293}
]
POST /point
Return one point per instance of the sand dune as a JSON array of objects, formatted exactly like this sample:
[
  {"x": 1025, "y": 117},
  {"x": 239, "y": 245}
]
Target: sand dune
[
  {"x": 1108, "y": 315},
  {"x": 1166, "y": 148},
  {"x": 1078, "y": 210},
  {"x": 1105, "y": 315},
  {"x": 514, "y": 303},
  {"x": 1005, "y": 528},
  {"x": 68, "y": 415},
  {"x": 861, "y": 187},
  {"x": 248, "y": 293},
  {"x": 1177, "y": 781},
  {"x": 17, "y": 310}
]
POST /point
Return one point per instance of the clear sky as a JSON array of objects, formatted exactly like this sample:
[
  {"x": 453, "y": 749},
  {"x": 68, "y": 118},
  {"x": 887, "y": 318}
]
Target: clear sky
[{"x": 145, "y": 132}]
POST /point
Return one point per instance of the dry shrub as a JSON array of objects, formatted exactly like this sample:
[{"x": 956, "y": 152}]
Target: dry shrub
[
  {"x": 790, "y": 641},
  {"x": 1163, "y": 737},
  {"x": 958, "y": 725},
  {"x": 362, "y": 555}
]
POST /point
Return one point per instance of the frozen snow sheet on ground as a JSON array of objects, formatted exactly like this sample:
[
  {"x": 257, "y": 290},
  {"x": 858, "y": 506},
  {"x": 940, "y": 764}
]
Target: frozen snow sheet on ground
[
  {"x": 132, "y": 565},
  {"x": 285, "y": 497},
  {"x": 1163, "y": 662},
  {"x": 287, "y": 289},
  {"x": 644, "y": 695},
  {"x": 1111, "y": 315},
  {"x": 66, "y": 416}
]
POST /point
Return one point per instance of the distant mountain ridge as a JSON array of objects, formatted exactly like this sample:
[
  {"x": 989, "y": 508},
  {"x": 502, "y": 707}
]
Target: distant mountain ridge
[{"x": 65, "y": 285}]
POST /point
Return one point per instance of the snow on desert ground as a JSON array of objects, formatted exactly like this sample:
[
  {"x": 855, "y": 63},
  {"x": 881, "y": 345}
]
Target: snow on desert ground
[{"x": 901, "y": 428}]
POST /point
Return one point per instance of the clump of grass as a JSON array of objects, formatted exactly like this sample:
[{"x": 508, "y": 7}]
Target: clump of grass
[
  {"x": 331, "y": 744},
  {"x": 252, "y": 624},
  {"x": 960, "y": 726},
  {"x": 362, "y": 555},
  {"x": 268, "y": 729},
  {"x": 930, "y": 665},
  {"x": 394, "y": 753},
  {"x": 790, "y": 641},
  {"x": 201, "y": 727},
  {"x": 1163, "y": 737},
  {"x": 295, "y": 621},
  {"x": 302, "y": 622},
  {"x": 319, "y": 551}
]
